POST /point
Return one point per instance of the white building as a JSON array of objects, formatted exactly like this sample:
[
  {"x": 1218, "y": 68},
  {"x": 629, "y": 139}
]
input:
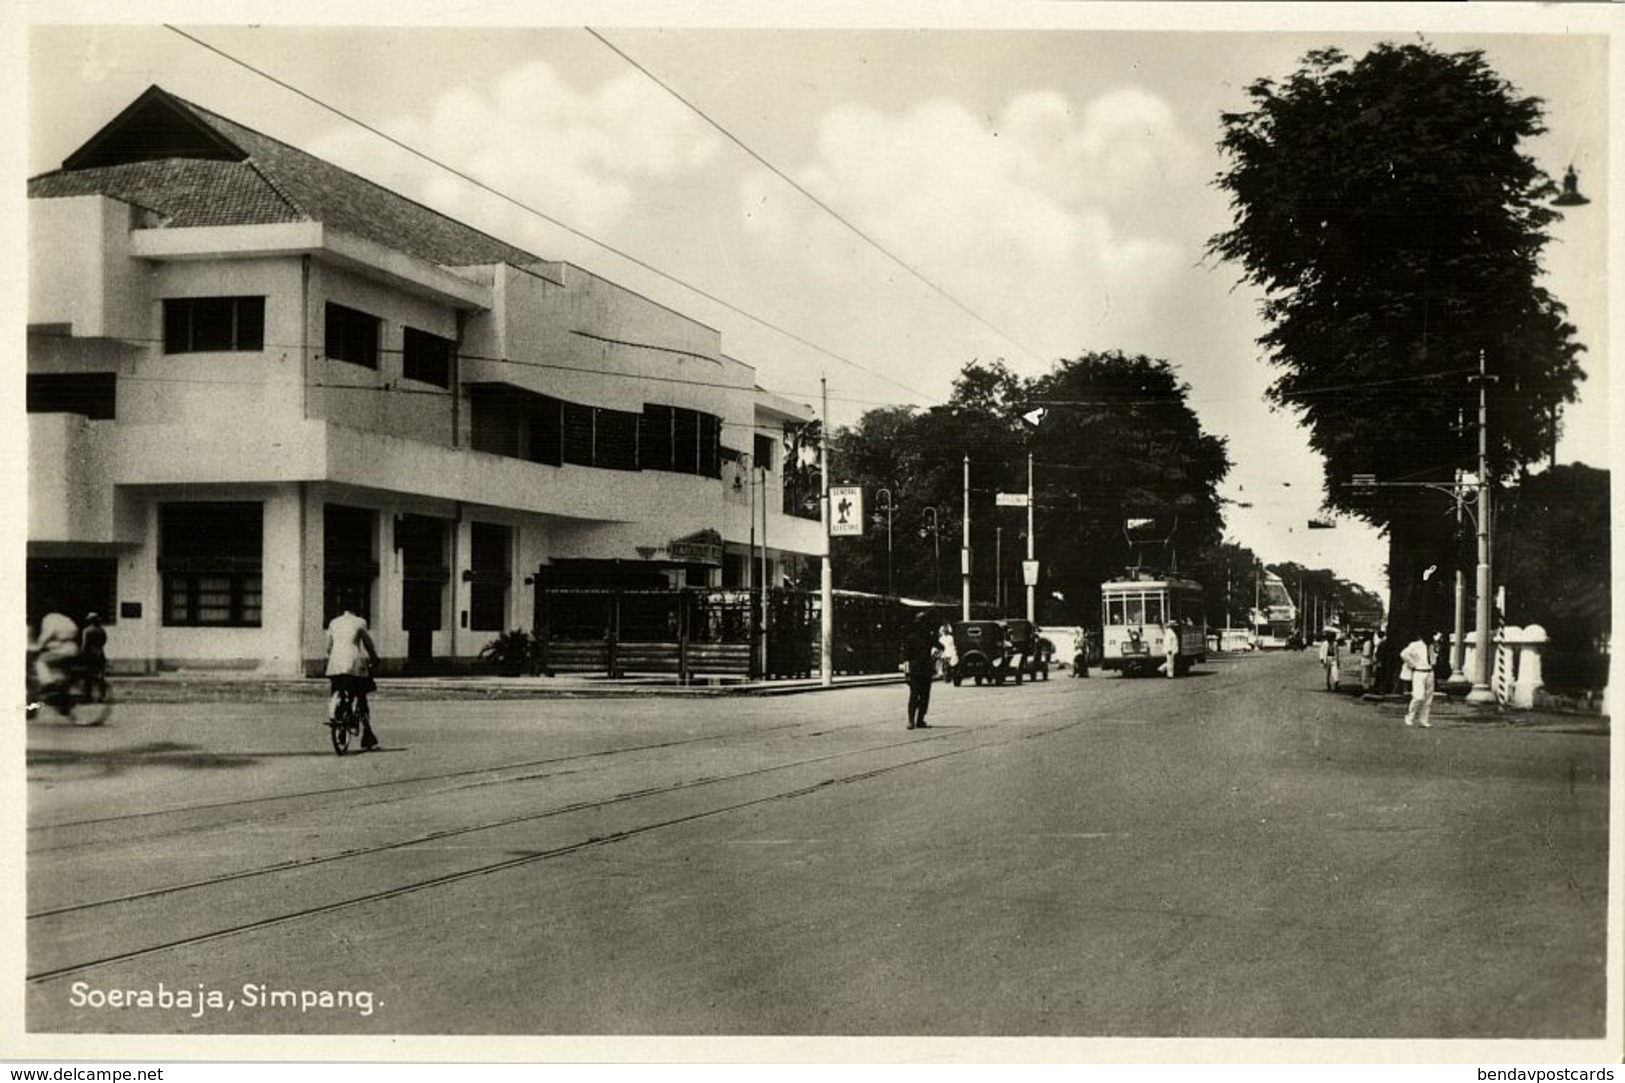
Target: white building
[{"x": 258, "y": 384}]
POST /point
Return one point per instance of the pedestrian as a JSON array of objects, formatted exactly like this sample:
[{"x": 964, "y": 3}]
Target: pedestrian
[
  {"x": 1170, "y": 649},
  {"x": 93, "y": 656},
  {"x": 351, "y": 657},
  {"x": 1416, "y": 666},
  {"x": 921, "y": 650},
  {"x": 950, "y": 651}
]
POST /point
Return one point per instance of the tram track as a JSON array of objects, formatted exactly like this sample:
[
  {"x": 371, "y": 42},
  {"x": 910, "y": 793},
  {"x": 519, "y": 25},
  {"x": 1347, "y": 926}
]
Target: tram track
[
  {"x": 252, "y": 807},
  {"x": 105, "y": 909}
]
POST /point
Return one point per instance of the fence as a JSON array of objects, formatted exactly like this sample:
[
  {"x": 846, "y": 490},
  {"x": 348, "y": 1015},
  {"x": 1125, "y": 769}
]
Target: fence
[{"x": 700, "y": 633}]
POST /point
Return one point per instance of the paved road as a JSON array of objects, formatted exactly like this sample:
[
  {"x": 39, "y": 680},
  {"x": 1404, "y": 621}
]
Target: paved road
[{"x": 1234, "y": 854}]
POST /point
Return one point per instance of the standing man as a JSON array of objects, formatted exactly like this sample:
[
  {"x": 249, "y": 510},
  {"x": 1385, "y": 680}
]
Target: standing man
[
  {"x": 93, "y": 656},
  {"x": 350, "y": 658},
  {"x": 1416, "y": 666},
  {"x": 1170, "y": 648},
  {"x": 921, "y": 649}
]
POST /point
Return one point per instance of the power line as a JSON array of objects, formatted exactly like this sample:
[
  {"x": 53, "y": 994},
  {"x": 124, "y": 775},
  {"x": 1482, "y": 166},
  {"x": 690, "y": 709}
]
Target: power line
[
  {"x": 819, "y": 203},
  {"x": 317, "y": 355},
  {"x": 527, "y": 208}
]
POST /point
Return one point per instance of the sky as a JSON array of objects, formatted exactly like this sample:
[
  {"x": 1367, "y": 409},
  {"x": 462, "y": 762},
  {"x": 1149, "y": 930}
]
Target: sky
[{"x": 1030, "y": 183}]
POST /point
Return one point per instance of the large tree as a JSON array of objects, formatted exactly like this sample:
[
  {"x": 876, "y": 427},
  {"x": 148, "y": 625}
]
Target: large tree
[
  {"x": 1116, "y": 441},
  {"x": 1388, "y": 211}
]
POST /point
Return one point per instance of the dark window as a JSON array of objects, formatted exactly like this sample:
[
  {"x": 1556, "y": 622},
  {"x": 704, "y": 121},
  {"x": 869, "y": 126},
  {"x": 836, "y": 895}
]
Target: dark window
[
  {"x": 93, "y": 394},
  {"x": 426, "y": 357},
  {"x": 352, "y": 336},
  {"x": 488, "y": 562},
  {"x": 683, "y": 441},
  {"x": 494, "y": 422},
  {"x": 349, "y": 562},
  {"x": 547, "y": 432},
  {"x": 77, "y": 585},
  {"x": 210, "y": 556},
  {"x": 654, "y": 437},
  {"x": 762, "y": 457},
  {"x": 578, "y": 434},
  {"x": 615, "y": 439},
  {"x": 198, "y": 324},
  {"x": 710, "y": 450},
  {"x": 421, "y": 540}
]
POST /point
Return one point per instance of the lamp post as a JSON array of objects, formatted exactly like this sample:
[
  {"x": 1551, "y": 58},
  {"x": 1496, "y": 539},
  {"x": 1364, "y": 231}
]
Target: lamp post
[
  {"x": 1482, "y": 693},
  {"x": 964, "y": 551},
  {"x": 936, "y": 554},
  {"x": 887, "y": 494},
  {"x": 750, "y": 560}
]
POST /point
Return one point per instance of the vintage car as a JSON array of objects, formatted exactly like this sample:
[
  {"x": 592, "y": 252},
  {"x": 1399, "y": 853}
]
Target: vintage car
[
  {"x": 1031, "y": 651},
  {"x": 982, "y": 652}
]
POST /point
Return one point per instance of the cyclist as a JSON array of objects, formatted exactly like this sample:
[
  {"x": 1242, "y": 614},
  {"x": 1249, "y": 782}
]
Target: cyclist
[
  {"x": 350, "y": 658},
  {"x": 58, "y": 646}
]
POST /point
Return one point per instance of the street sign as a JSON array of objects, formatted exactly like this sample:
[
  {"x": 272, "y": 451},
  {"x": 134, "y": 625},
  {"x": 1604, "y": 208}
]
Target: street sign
[
  {"x": 1029, "y": 573},
  {"x": 1012, "y": 500},
  {"x": 845, "y": 511}
]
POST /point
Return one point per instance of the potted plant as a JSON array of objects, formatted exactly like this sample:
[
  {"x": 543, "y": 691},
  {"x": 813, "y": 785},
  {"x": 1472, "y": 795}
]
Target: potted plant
[{"x": 514, "y": 653}]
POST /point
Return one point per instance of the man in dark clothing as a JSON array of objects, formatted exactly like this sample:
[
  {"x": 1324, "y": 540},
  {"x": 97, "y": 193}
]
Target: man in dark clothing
[{"x": 921, "y": 649}]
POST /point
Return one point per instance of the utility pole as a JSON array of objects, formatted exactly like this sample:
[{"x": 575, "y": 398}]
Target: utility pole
[
  {"x": 758, "y": 666},
  {"x": 826, "y": 577},
  {"x": 767, "y": 584},
  {"x": 964, "y": 551},
  {"x": 1483, "y": 658},
  {"x": 1032, "y": 601},
  {"x": 1458, "y": 638}
]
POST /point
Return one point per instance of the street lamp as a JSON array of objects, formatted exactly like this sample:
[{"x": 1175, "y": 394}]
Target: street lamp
[
  {"x": 936, "y": 554},
  {"x": 887, "y": 494}
]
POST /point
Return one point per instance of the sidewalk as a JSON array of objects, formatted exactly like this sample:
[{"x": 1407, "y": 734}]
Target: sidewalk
[
  {"x": 1490, "y": 714},
  {"x": 212, "y": 688}
]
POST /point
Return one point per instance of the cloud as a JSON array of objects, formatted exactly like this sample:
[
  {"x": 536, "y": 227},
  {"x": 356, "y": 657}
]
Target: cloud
[
  {"x": 1027, "y": 216},
  {"x": 578, "y": 155}
]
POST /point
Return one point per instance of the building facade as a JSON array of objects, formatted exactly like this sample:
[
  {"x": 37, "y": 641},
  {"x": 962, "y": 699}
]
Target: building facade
[{"x": 261, "y": 388}]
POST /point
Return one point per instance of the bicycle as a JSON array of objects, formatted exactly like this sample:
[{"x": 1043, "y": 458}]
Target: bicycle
[
  {"x": 83, "y": 696},
  {"x": 349, "y": 719}
]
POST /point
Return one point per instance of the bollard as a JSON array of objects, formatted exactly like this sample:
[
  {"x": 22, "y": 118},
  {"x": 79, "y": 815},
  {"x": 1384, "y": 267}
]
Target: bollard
[
  {"x": 1530, "y": 679},
  {"x": 1505, "y": 658}
]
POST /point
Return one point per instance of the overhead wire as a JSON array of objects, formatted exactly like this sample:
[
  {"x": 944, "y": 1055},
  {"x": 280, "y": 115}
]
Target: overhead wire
[
  {"x": 529, "y": 209},
  {"x": 815, "y": 200}
]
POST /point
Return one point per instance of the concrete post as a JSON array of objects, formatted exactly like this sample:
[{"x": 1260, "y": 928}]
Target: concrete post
[{"x": 1530, "y": 679}]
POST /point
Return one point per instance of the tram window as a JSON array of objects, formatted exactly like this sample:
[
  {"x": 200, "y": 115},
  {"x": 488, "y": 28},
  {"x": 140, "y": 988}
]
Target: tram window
[
  {"x": 1136, "y": 609},
  {"x": 1115, "y": 610},
  {"x": 1153, "y": 609}
]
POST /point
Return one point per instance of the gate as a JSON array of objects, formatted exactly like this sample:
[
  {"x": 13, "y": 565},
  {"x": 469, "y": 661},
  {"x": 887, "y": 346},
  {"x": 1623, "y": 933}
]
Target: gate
[{"x": 682, "y": 634}]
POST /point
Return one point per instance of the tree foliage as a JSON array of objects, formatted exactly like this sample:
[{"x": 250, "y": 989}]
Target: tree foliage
[
  {"x": 1552, "y": 538},
  {"x": 1387, "y": 211},
  {"x": 1117, "y": 440}
]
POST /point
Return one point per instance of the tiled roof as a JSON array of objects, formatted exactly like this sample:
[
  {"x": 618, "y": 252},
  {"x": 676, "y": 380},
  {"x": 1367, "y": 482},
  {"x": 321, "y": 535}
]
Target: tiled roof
[{"x": 274, "y": 183}]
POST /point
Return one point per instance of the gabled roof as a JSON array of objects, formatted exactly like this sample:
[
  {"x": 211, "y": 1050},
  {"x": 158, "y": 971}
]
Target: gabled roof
[{"x": 196, "y": 168}]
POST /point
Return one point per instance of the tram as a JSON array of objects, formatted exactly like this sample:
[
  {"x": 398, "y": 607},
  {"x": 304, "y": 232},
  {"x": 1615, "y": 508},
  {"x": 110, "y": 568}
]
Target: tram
[{"x": 1135, "y": 610}]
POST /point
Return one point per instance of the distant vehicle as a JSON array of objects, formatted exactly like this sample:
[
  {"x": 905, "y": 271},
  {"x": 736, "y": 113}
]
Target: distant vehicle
[
  {"x": 984, "y": 653},
  {"x": 1275, "y": 618},
  {"x": 1032, "y": 650},
  {"x": 1135, "y": 610}
]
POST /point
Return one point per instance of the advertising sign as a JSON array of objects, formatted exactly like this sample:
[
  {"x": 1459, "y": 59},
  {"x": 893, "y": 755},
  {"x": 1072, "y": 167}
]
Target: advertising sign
[{"x": 845, "y": 511}]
